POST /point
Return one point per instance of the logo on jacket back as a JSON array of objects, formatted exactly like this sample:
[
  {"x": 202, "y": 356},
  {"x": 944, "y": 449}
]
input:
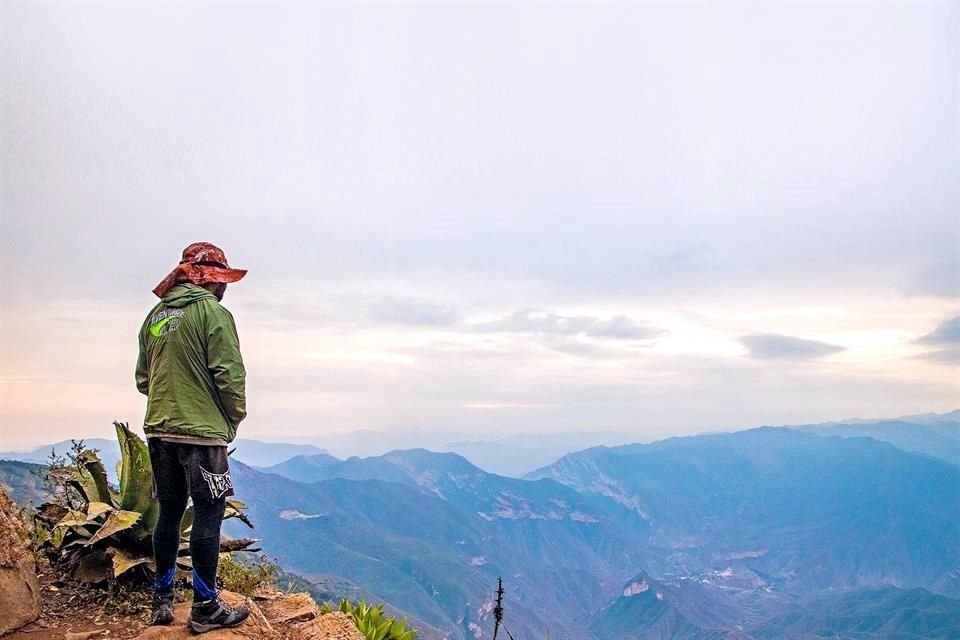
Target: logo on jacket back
[{"x": 166, "y": 321}]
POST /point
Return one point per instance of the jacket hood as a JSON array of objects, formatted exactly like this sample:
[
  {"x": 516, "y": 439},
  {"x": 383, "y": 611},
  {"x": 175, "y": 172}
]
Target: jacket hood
[{"x": 184, "y": 294}]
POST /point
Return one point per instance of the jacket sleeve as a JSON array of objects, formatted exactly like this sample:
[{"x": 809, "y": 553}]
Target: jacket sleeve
[
  {"x": 226, "y": 364},
  {"x": 142, "y": 373}
]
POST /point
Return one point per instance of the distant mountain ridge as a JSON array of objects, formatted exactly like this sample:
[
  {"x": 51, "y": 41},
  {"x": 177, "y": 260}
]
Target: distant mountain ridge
[
  {"x": 23, "y": 482},
  {"x": 682, "y": 612},
  {"x": 253, "y": 452},
  {"x": 743, "y": 525},
  {"x": 737, "y": 536},
  {"x": 518, "y": 454},
  {"x": 885, "y": 612},
  {"x": 738, "y": 489},
  {"x": 938, "y": 438},
  {"x": 435, "y": 556}
]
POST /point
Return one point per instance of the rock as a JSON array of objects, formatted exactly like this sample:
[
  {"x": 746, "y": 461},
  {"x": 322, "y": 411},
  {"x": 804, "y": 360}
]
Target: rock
[
  {"x": 19, "y": 584},
  {"x": 275, "y": 615},
  {"x": 297, "y": 607},
  {"x": 83, "y": 635},
  {"x": 256, "y": 626},
  {"x": 330, "y": 626}
]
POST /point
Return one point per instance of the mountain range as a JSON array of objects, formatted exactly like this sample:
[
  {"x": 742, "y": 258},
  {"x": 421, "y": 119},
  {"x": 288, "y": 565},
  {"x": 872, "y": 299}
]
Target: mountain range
[
  {"x": 254, "y": 452},
  {"x": 937, "y": 438},
  {"x": 746, "y": 526},
  {"x": 772, "y": 532}
]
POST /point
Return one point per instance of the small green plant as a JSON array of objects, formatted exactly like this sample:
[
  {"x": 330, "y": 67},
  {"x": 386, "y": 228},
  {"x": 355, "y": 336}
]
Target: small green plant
[
  {"x": 246, "y": 577},
  {"x": 371, "y": 621},
  {"x": 99, "y": 532},
  {"x": 56, "y": 473}
]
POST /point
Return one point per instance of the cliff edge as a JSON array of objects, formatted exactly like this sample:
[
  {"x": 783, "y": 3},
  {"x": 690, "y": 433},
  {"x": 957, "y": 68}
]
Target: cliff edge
[{"x": 19, "y": 585}]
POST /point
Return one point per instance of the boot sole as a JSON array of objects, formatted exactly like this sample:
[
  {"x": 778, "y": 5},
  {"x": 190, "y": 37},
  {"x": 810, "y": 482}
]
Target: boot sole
[
  {"x": 162, "y": 620},
  {"x": 196, "y": 627}
]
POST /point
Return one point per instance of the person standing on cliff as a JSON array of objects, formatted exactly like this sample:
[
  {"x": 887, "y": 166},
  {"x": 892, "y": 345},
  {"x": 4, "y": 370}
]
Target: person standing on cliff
[{"x": 192, "y": 373}]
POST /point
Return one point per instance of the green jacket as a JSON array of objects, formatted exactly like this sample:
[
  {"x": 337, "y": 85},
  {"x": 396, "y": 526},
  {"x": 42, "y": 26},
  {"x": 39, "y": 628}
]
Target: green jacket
[{"x": 190, "y": 368}]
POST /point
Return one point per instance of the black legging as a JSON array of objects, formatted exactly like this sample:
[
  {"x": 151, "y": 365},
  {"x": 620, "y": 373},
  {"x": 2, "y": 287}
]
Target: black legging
[{"x": 204, "y": 544}]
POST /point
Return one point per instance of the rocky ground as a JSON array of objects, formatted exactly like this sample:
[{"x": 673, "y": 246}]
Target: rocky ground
[
  {"x": 76, "y": 612},
  {"x": 19, "y": 584},
  {"x": 73, "y": 608},
  {"x": 37, "y": 603}
]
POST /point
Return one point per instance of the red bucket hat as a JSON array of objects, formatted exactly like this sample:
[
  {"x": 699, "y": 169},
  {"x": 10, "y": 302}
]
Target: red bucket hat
[{"x": 202, "y": 263}]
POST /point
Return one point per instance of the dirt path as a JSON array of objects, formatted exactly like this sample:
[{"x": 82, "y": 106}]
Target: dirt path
[
  {"x": 71, "y": 611},
  {"x": 72, "y": 608}
]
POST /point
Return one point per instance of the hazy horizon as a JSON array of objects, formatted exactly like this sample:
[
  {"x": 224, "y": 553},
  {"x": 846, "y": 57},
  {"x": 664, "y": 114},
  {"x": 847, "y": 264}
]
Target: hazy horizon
[
  {"x": 654, "y": 218},
  {"x": 348, "y": 443}
]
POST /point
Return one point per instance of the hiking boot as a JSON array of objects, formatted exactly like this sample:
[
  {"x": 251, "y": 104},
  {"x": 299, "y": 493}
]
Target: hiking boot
[
  {"x": 162, "y": 609},
  {"x": 215, "y": 614}
]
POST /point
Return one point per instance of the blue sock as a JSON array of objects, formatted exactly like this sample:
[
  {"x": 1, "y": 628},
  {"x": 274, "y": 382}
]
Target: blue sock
[
  {"x": 201, "y": 590},
  {"x": 163, "y": 583}
]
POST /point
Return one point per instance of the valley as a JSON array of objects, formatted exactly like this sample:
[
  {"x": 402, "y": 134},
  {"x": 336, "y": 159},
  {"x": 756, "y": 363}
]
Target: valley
[{"x": 742, "y": 535}]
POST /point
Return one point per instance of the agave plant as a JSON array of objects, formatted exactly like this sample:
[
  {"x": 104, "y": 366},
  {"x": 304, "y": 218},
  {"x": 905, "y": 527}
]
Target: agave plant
[
  {"x": 371, "y": 621},
  {"x": 109, "y": 532}
]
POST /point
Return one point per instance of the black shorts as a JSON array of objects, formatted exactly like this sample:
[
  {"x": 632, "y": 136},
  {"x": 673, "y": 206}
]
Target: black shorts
[{"x": 179, "y": 470}]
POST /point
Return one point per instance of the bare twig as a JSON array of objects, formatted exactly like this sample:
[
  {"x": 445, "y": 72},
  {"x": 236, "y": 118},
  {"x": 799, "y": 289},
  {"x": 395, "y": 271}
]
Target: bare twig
[
  {"x": 498, "y": 610},
  {"x": 237, "y": 544}
]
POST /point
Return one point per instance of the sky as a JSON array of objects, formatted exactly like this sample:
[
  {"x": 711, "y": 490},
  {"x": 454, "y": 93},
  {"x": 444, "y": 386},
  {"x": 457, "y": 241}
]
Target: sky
[{"x": 488, "y": 218}]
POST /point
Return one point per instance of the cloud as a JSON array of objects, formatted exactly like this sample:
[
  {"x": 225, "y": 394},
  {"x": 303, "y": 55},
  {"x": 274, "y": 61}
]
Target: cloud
[
  {"x": 940, "y": 277},
  {"x": 947, "y": 337},
  {"x": 946, "y": 333},
  {"x": 775, "y": 346},
  {"x": 364, "y": 239},
  {"x": 575, "y": 346},
  {"x": 486, "y": 406},
  {"x": 411, "y": 311},
  {"x": 950, "y": 355},
  {"x": 288, "y": 312},
  {"x": 623, "y": 328},
  {"x": 546, "y": 323}
]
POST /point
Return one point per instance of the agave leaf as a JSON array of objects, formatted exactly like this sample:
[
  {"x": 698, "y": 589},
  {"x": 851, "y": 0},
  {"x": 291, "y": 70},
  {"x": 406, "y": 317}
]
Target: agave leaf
[
  {"x": 124, "y": 561},
  {"x": 75, "y": 543},
  {"x": 382, "y": 629},
  {"x": 187, "y": 521},
  {"x": 90, "y": 478},
  {"x": 362, "y": 625},
  {"x": 345, "y": 606},
  {"x": 41, "y": 535},
  {"x": 229, "y": 545},
  {"x": 234, "y": 512},
  {"x": 97, "y": 509},
  {"x": 51, "y": 513},
  {"x": 398, "y": 628},
  {"x": 73, "y": 518},
  {"x": 117, "y": 521},
  {"x": 93, "y": 567},
  {"x": 56, "y": 538},
  {"x": 136, "y": 478}
]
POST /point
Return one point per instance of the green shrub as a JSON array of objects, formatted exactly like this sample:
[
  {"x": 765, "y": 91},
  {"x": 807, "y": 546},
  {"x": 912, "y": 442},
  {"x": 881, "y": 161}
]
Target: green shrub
[{"x": 246, "y": 577}]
